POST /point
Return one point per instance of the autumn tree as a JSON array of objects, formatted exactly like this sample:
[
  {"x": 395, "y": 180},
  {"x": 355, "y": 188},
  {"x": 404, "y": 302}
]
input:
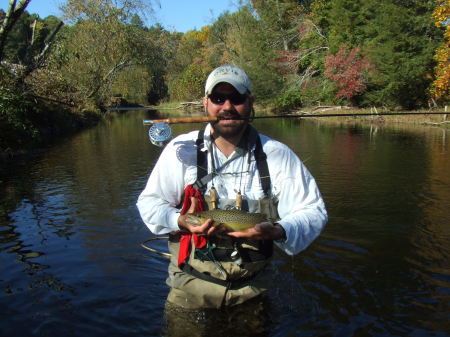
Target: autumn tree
[
  {"x": 189, "y": 67},
  {"x": 301, "y": 67},
  {"x": 398, "y": 37},
  {"x": 188, "y": 49},
  {"x": 190, "y": 85},
  {"x": 347, "y": 69},
  {"x": 441, "y": 86}
]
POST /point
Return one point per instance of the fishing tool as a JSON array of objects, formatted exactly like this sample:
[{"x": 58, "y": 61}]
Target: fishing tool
[
  {"x": 235, "y": 256},
  {"x": 213, "y": 196},
  {"x": 160, "y": 132},
  {"x": 207, "y": 254},
  {"x": 238, "y": 204}
]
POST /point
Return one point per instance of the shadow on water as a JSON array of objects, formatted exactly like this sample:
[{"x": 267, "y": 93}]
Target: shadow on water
[{"x": 72, "y": 263}]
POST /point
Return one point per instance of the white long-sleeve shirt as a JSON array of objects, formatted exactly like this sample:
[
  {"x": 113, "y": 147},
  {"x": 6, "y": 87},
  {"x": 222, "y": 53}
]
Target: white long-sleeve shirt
[{"x": 300, "y": 205}]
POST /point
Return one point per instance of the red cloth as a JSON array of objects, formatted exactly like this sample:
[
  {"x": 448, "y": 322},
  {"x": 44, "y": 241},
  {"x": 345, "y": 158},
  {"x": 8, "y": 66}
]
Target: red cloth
[{"x": 185, "y": 239}]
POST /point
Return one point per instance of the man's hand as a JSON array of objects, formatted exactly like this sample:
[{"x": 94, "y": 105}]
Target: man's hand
[
  {"x": 262, "y": 231},
  {"x": 204, "y": 229}
]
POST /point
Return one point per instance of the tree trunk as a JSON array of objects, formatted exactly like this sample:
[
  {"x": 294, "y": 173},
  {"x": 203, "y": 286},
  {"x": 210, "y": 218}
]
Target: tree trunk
[{"x": 12, "y": 15}]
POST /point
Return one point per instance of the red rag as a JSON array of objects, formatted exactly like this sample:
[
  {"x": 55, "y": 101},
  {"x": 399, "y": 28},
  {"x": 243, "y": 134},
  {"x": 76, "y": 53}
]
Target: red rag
[{"x": 185, "y": 239}]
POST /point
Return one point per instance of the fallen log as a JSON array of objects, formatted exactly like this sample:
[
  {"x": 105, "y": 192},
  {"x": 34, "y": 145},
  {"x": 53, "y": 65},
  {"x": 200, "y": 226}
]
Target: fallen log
[{"x": 322, "y": 108}]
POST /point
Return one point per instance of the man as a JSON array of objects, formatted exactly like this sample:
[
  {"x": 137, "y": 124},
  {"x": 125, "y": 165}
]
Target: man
[{"x": 229, "y": 165}]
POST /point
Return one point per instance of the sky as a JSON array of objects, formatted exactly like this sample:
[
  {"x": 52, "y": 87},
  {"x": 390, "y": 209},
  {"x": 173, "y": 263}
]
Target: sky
[{"x": 174, "y": 15}]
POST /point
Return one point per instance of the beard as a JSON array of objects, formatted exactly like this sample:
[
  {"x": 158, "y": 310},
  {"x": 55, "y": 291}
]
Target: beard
[{"x": 230, "y": 126}]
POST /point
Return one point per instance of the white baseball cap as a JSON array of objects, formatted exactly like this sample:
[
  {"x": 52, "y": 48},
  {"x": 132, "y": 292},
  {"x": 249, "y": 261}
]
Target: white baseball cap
[{"x": 231, "y": 74}]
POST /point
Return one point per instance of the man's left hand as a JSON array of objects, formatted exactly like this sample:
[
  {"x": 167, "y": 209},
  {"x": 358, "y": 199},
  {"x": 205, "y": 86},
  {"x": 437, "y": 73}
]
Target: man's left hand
[{"x": 262, "y": 231}]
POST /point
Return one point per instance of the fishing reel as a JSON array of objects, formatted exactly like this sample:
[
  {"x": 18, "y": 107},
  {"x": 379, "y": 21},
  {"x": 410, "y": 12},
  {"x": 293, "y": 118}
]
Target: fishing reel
[{"x": 160, "y": 133}]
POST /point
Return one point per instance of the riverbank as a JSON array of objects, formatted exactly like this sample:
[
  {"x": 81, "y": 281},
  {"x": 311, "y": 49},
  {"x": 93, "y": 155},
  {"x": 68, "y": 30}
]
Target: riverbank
[
  {"x": 28, "y": 123},
  {"x": 35, "y": 123},
  {"x": 436, "y": 117}
]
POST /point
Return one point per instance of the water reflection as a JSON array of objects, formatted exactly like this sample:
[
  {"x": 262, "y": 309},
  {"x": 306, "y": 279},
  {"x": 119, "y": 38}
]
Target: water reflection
[{"x": 70, "y": 236}]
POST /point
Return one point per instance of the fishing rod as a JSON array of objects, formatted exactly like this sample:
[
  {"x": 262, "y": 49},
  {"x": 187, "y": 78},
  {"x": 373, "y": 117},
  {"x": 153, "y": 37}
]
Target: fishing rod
[{"x": 160, "y": 130}]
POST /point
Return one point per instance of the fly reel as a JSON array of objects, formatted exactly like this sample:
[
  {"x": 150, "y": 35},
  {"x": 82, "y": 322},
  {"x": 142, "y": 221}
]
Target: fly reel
[{"x": 159, "y": 133}]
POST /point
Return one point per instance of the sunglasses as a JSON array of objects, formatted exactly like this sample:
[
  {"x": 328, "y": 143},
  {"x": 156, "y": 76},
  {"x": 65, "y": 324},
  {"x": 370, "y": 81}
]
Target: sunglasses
[{"x": 235, "y": 98}]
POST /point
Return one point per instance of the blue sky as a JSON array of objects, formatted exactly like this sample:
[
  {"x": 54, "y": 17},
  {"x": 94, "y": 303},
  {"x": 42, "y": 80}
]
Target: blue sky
[{"x": 178, "y": 15}]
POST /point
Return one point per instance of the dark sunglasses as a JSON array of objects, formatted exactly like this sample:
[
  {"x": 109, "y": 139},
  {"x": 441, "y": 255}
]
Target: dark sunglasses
[{"x": 235, "y": 98}]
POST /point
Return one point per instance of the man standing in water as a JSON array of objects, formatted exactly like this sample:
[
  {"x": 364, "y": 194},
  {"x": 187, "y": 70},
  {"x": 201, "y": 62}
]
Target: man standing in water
[{"x": 229, "y": 165}]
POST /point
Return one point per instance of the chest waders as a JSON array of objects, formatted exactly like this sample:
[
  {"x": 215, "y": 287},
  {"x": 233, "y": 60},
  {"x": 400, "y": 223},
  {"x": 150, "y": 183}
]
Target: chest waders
[{"x": 228, "y": 271}]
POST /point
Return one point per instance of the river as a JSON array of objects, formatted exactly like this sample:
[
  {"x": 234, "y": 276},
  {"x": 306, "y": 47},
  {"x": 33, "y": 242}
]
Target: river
[{"x": 70, "y": 235}]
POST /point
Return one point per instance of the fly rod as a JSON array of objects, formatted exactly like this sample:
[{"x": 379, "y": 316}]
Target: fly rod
[
  {"x": 160, "y": 130},
  {"x": 208, "y": 119}
]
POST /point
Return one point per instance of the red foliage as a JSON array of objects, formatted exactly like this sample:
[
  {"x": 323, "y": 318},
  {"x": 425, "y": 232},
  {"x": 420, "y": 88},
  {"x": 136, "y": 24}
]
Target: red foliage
[
  {"x": 346, "y": 69},
  {"x": 287, "y": 62}
]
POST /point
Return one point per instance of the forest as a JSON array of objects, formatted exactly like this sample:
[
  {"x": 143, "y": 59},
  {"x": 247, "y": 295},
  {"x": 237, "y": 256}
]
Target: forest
[{"x": 58, "y": 73}]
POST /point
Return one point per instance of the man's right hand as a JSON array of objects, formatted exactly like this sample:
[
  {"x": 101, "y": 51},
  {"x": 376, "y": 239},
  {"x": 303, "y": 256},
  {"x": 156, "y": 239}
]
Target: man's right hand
[{"x": 204, "y": 229}]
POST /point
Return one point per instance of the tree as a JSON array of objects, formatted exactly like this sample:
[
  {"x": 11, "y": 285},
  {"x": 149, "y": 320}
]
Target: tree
[
  {"x": 189, "y": 48},
  {"x": 188, "y": 69},
  {"x": 398, "y": 38},
  {"x": 401, "y": 39},
  {"x": 246, "y": 41},
  {"x": 348, "y": 21},
  {"x": 137, "y": 21},
  {"x": 28, "y": 43},
  {"x": 190, "y": 85},
  {"x": 346, "y": 69},
  {"x": 281, "y": 18},
  {"x": 99, "y": 46},
  {"x": 441, "y": 86}
]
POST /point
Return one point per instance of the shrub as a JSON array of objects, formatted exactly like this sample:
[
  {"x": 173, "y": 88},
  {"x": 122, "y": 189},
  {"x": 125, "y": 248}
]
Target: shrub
[
  {"x": 288, "y": 100},
  {"x": 16, "y": 119}
]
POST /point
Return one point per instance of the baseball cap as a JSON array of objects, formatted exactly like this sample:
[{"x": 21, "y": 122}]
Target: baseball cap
[{"x": 231, "y": 74}]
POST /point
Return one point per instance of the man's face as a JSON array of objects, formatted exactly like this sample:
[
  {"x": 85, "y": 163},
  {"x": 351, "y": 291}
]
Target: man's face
[{"x": 226, "y": 103}]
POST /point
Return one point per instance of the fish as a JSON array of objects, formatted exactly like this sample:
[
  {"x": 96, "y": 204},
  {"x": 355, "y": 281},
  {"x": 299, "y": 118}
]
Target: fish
[{"x": 233, "y": 219}]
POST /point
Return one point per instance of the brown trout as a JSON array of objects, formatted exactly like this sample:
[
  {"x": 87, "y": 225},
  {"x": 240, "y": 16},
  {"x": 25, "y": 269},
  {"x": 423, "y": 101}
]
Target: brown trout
[{"x": 233, "y": 219}]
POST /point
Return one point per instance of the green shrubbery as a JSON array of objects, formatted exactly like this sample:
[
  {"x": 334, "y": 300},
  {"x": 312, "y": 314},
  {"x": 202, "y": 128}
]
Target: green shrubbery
[
  {"x": 26, "y": 121},
  {"x": 288, "y": 100},
  {"x": 17, "y": 113}
]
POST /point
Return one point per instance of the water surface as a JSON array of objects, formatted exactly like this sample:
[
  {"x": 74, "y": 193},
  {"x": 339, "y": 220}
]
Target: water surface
[{"x": 70, "y": 235}]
